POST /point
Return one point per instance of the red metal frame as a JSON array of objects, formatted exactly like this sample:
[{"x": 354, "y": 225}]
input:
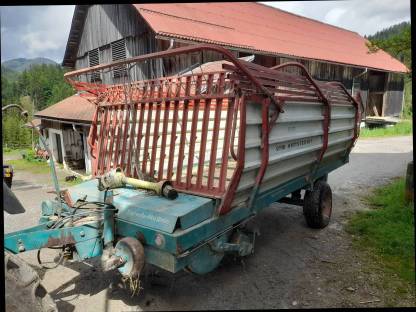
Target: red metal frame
[
  {"x": 156, "y": 103},
  {"x": 229, "y": 195},
  {"x": 265, "y": 132}
]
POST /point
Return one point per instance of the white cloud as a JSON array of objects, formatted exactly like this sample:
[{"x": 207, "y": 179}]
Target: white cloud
[
  {"x": 32, "y": 31},
  {"x": 334, "y": 15},
  {"x": 365, "y": 17},
  {"x": 37, "y": 44}
]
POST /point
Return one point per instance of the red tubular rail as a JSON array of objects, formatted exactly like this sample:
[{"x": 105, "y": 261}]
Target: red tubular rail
[
  {"x": 184, "y": 123},
  {"x": 193, "y": 134},
  {"x": 204, "y": 134},
  {"x": 169, "y": 53},
  {"x": 164, "y": 134},
  {"x": 235, "y": 180}
]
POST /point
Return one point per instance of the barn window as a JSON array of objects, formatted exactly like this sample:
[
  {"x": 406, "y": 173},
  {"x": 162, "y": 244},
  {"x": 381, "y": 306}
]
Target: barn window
[
  {"x": 118, "y": 52},
  {"x": 94, "y": 60}
]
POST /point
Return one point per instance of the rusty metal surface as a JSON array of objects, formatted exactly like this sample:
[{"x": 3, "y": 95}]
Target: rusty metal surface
[{"x": 63, "y": 240}]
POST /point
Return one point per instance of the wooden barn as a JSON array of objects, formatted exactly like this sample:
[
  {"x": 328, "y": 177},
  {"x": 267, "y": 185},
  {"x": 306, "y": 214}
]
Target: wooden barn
[
  {"x": 66, "y": 126},
  {"x": 104, "y": 33}
]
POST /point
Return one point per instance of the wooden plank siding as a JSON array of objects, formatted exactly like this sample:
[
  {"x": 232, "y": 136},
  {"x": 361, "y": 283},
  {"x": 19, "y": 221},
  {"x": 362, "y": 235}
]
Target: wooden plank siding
[
  {"x": 105, "y": 24},
  {"x": 393, "y": 98}
]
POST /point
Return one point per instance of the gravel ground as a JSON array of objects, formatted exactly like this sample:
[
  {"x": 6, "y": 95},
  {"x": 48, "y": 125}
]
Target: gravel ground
[{"x": 293, "y": 265}]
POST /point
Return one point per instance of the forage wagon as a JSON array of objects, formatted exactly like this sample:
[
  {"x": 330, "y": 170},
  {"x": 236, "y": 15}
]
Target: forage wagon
[{"x": 182, "y": 163}]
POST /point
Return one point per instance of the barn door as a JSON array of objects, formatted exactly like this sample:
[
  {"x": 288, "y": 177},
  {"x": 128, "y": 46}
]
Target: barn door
[
  {"x": 59, "y": 147},
  {"x": 377, "y": 87}
]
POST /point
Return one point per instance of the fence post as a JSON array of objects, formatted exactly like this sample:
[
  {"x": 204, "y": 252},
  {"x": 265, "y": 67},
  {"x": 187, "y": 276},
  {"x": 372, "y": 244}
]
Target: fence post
[{"x": 408, "y": 192}]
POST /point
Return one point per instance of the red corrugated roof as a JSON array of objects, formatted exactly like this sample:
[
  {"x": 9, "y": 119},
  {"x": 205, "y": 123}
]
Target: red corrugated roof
[
  {"x": 265, "y": 29},
  {"x": 74, "y": 108}
]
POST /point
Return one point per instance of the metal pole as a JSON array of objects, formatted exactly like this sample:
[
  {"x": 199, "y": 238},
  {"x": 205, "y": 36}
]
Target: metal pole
[{"x": 51, "y": 162}]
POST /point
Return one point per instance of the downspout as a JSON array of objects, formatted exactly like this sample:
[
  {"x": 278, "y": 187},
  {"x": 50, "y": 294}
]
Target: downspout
[
  {"x": 171, "y": 42},
  {"x": 74, "y": 128}
]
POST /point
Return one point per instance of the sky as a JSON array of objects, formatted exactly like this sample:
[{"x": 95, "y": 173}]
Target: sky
[{"x": 42, "y": 31}]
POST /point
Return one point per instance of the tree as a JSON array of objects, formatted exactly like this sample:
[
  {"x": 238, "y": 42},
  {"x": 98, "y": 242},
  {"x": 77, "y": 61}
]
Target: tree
[
  {"x": 397, "y": 41},
  {"x": 398, "y": 45},
  {"x": 35, "y": 89}
]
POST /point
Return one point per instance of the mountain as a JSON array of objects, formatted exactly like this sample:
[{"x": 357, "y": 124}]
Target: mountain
[
  {"x": 8, "y": 73},
  {"x": 21, "y": 64}
]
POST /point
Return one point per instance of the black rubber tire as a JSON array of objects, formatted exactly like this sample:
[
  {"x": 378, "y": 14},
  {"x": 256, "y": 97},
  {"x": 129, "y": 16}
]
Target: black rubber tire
[
  {"x": 8, "y": 182},
  {"x": 317, "y": 206},
  {"x": 323, "y": 178},
  {"x": 24, "y": 291}
]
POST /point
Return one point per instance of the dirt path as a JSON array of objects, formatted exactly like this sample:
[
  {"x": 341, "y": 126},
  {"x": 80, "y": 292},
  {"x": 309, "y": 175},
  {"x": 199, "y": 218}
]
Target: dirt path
[{"x": 293, "y": 265}]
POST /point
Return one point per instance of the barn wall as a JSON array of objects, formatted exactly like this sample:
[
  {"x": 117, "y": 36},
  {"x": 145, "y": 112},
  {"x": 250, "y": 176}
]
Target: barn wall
[
  {"x": 51, "y": 124},
  {"x": 73, "y": 143},
  {"x": 116, "y": 22},
  {"x": 325, "y": 71},
  {"x": 180, "y": 63},
  {"x": 107, "y": 23},
  {"x": 393, "y": 98}
]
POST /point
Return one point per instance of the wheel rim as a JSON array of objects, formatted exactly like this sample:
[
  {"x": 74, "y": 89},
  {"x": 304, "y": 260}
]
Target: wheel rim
[{"x": 132, "y": 251}]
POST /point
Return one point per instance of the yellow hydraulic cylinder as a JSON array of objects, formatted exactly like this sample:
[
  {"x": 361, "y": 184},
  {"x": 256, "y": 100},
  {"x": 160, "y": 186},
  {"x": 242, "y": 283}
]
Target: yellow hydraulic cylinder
[
  {"x": 147, "y": 185},
  {"x": 116, "y": 178}
]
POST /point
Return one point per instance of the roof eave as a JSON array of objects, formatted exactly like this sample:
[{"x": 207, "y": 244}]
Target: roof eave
[
  {"x": 167, "y": 36},
  {"x": 74, "y": 37},
  {"x": 65, "y": 120}
]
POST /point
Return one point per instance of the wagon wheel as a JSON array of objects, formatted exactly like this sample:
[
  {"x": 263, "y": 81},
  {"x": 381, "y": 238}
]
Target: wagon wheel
[
  {"x": 24, "y": 291},
  {"x": 8, "y": 181},
  {"x": 133, "y": 252},
  {"x": 317, "y": 207}
]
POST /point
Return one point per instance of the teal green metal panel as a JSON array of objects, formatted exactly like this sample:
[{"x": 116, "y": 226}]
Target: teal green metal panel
[
  {"x": 162, "y": 259},
  {"x": 36, "y": 228},
  {"x": 162, "y": 248},
  {"x": 200, "y": 232},
  {"x": 125, "y": 228},
  {"x": 263, "y": 200},
  {"x": 182, "y": 240},
  {"x": 85, "y": 238},
  {"x": 149, "y": 210}
]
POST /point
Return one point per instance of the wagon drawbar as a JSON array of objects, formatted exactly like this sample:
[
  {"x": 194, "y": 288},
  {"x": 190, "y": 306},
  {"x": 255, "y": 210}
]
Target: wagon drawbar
[{"x": 230, "y": 138}]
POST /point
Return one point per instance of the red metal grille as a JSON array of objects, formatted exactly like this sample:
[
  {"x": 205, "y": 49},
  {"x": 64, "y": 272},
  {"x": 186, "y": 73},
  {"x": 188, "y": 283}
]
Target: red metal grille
[
  {"x": 176, "y": 128},
  {"x": 191, "y": 129}
]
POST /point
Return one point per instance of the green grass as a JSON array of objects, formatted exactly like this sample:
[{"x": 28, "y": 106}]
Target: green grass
[
  {"x": 36, "y": 167},
  {"x": 404, "y": 127},
  {"x": 70, "y": 183},
  {"x": 18, "y": 152},
  {"x": 388, "y": 230}
]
